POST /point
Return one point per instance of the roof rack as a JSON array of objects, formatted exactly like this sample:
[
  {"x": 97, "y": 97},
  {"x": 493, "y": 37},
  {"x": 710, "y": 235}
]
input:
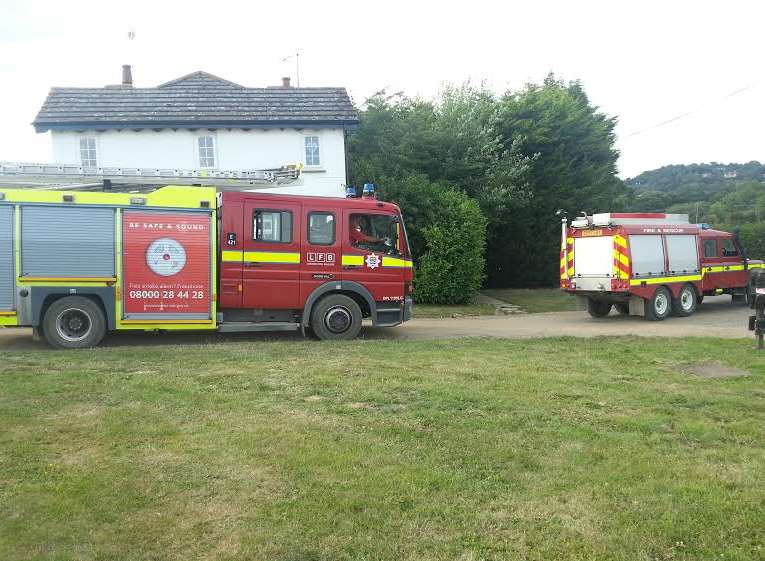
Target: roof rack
[{"x": 66, "y": 176}]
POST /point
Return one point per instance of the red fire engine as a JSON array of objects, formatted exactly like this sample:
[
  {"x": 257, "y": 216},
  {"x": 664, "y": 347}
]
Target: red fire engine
[
  {"x": 75, "y": 265},
  {"x": 650, "y": 264}
]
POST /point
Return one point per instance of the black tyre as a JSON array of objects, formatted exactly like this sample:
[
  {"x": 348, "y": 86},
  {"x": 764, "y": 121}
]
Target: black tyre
[
  {"x": 623, "y": 308},
  {"x": 659, "y": 305},
  {"x": 336, "y": 317},
  {"x": 686, "y": 302},
  {"x": 699, "y": 300},
  {"x": 74, "y": 322},
  {"x": 598, "y": 308}
]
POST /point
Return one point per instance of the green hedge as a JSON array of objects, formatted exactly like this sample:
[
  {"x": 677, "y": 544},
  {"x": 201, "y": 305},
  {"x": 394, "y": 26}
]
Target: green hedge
[{"x": 447, "y": 235}]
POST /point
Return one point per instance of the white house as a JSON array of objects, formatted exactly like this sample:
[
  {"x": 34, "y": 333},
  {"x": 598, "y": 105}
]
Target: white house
[{"x": 202, "y": 121}]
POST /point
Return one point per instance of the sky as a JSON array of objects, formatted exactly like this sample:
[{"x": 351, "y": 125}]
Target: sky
[{"x": 685, "y": 79}]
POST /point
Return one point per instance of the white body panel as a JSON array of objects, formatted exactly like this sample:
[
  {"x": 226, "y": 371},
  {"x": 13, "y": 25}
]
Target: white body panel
[
  {"x": 594, "y": 257},
  {"x": 234, "y": 149}
]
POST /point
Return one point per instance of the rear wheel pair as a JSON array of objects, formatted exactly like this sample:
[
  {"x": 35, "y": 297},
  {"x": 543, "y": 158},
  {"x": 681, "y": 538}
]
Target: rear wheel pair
[{"x": 661, "y": 304}]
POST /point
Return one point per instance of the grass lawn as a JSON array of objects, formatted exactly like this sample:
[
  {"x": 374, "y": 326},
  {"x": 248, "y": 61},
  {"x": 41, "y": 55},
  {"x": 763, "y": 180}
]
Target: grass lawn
[
  {"x": 403, "y": 450},
  {"x": 434, "y": 311},
  {"x": 535, "y": 300}
]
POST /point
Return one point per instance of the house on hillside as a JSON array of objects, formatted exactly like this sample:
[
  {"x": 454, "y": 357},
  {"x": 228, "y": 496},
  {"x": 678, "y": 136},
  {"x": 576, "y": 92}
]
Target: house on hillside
[{"x": 200, "y": 121}]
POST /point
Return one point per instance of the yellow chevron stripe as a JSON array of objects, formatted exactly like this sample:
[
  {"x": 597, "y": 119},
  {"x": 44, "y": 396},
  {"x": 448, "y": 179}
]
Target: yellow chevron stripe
[{"x": 623, "y": 259}]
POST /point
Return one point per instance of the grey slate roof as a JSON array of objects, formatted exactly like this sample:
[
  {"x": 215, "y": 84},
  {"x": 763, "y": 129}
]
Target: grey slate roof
[{"x": 196, "y": 100}]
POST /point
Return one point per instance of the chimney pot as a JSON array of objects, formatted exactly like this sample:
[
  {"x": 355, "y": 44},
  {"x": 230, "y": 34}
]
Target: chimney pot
[
  {"x": 127, "y": 76},
  {"x": 286, "y": 82}
]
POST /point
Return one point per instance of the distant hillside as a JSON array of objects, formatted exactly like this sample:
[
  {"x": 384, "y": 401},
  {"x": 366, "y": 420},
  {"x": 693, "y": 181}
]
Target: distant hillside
[
  {"x": 698, "y": 178},
  {"x": 728, "y": 196}
]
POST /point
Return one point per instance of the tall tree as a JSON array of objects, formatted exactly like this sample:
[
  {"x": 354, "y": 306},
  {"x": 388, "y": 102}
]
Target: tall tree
[{"x": 570, "y": 146}]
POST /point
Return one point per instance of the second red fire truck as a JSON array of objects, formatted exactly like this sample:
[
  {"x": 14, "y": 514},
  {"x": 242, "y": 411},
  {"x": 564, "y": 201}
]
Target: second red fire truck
[
  {"x": 76, "y": 265},
  {"x": 650, "y": 264}
]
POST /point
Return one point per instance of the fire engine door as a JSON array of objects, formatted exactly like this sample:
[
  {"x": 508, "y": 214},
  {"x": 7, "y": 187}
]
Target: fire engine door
[
  {"x": 371, "y": 254},
  {"x": 271, "y": 256},
  {"x": 322, "y": 240}
]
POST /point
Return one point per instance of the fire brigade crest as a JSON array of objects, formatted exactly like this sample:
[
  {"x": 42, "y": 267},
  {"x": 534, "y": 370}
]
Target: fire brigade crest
[{"x": 373, "y": 261}]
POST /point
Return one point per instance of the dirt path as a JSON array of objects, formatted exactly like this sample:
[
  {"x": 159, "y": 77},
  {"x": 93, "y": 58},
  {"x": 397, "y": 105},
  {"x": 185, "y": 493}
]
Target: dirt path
[{"x": 717, "y": 317}]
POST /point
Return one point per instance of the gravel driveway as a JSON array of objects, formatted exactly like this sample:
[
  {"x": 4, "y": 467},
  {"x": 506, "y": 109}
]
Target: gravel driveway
[{"x": 716, "y": 317}]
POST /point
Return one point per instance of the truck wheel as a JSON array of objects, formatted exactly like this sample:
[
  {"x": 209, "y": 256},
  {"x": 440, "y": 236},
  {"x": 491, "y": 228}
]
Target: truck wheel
[
  {"x": 74, "y": 322},
  {"x": 336, "y": 317},
  {"x": 659, "y": 305},
  {"x": 598, "y": 308},
  {"x": 623, "y": 308},
  {"x": 686, "y": 301}
]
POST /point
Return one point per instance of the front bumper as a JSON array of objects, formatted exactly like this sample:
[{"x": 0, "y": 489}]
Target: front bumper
[{"x": 389, "y": 316}]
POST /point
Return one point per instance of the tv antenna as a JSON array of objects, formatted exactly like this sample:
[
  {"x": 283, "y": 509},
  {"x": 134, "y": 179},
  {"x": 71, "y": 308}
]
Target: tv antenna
[{"x": 296, "y": 56}]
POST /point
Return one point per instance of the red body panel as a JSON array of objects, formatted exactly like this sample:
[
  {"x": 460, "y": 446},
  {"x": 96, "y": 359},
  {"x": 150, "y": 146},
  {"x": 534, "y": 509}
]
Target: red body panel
[
  {"x": 266, "y": 284},
  {"x": 244, "y": 284}
]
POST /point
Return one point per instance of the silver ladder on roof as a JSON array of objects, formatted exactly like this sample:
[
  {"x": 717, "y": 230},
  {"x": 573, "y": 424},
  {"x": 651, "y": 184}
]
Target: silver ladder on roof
[{"x": 65, "y": 176}]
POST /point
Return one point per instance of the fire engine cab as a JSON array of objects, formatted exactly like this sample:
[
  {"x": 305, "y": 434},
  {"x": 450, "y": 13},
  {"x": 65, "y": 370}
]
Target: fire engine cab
[
  {"x": 650, "y": 264},
  {"x": 76, "y": 265}
]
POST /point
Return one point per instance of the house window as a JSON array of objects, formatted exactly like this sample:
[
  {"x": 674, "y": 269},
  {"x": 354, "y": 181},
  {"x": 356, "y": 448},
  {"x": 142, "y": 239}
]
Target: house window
[
  {"x": 312, "y": 156},
  {"x": 321, "y": 228},
  {"x": 88, "y": 157},
  {"x": 272, "y": 226},
  {"x": 206, "y": 146}
]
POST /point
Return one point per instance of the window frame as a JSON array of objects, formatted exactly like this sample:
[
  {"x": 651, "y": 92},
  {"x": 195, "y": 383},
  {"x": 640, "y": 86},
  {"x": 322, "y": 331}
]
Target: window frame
[
  {"x": 334, "y": 227},
  {"x": 317, "y": 147},
  {"x": 88, "y": 149},
  {"x": 704, "y": 252},
  {"x": 214, "y": 149},
  {"x": 255, "y": 211},
  {"x": 371, "y": 213},
  {"x": 724, "y": 253}
]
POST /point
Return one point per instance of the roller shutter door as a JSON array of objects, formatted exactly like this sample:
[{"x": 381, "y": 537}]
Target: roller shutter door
[
  {"x": 67, "y": 242},
  {"x": 7, "y": 273}
]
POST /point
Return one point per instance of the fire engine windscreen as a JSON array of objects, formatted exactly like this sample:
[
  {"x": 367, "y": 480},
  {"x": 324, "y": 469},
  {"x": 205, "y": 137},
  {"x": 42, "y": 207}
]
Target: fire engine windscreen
[
  {"x": 594, "y": 256},
  {"x": 376, "y": 232}
]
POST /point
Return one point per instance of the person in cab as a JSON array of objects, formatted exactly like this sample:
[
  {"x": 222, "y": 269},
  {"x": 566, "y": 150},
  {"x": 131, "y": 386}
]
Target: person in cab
[{"x": 359, "y": 233}]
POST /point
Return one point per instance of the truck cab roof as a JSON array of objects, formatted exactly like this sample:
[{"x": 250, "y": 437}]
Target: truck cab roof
[{"x": 334, "y": 202}]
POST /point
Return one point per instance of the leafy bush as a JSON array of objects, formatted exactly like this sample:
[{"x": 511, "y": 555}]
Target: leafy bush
[
  {"x": 447, "y": 236},
  {"x": 753, "y": 239}
]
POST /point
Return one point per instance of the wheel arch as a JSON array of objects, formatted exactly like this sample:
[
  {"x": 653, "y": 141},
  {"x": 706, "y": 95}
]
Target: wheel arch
[
  {"x": 43, "y": 296},
  {"x": 354, "y": 290}
]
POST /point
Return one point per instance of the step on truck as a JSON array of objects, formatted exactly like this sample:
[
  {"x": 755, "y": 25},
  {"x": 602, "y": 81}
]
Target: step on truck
[
  {"x": 650, "y": 264},
  {"x": 77, "y": 265}
]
